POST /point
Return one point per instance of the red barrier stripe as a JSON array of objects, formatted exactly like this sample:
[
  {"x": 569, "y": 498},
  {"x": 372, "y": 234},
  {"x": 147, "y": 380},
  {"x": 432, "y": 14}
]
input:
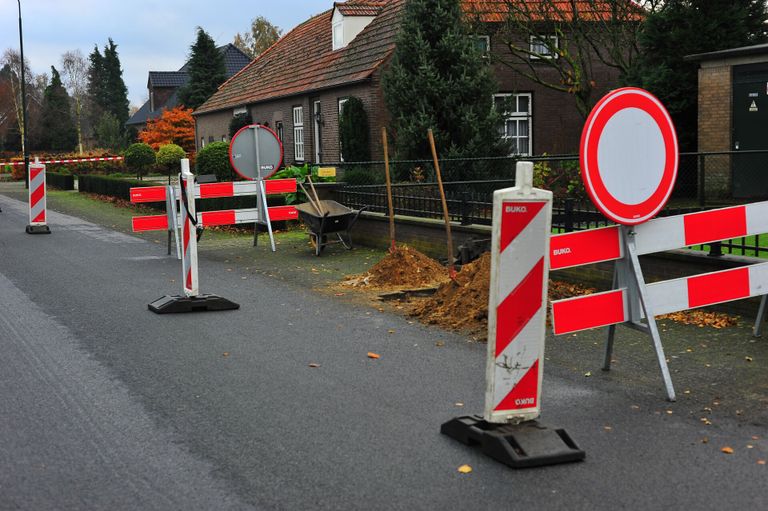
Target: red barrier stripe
[
  {"x": 524, "y": 394},
  {"x": 148, "y": 194},
  {"x": 226, "y": 217},
  {"x": 516, "y": 217},
  {"x": 150, "y": 223},
  {"x": 277, "y": 213},
  {"x": 214, "y": 190},
  {"x": 37, "y": 195},
  {"x": 34, "y": 171},
  {"x": 584, "y": 312},
  {"x": 280, "y": 186},
  {"x": 584, "y": 247},
  {"x": 720, "y": 224},
  {"x": 40, "y": 218},
  {"x": 517, "y": 309},
  {"x": 718, "y": 287}
]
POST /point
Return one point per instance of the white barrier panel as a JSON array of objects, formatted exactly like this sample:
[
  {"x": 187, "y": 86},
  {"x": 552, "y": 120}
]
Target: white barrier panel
[
  {"x": 189, "y": 232},
  {"x": 37, "y": 200},
  {"x": 517, "y": 302}
]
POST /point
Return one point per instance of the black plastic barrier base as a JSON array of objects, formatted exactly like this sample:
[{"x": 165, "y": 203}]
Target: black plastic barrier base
[
  {"x": 525, "y": 445},
  {"x": 38, "y": 229},
  {"x": 177, "y": 304}
]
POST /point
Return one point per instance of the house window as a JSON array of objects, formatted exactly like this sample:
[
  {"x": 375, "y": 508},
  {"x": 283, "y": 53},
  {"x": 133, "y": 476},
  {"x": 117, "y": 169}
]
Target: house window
[
  {"x": 544, "y": 47},
  {"x": 517, "y": 121},
  {"x": 298, "y": 133},
  {"x": 202, "y": 142},
  {"x": 279, "y": 130},
  {"x": 483, "y": 44},
  {"x": 223, "y": 138},
  {"x": 341, "y": 108},
  {"x": 210, "y": 138},
  {"x": 338, "y": 35},
  {"x": 239, "y": 111}
]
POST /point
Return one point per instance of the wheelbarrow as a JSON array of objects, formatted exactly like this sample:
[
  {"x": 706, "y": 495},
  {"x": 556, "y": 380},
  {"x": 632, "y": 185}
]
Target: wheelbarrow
[{"x": 335, "y": 220}]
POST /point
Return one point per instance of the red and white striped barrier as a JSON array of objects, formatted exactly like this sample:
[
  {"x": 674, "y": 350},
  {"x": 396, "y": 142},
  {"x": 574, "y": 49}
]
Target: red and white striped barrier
[
  {"x": 509, "y": 431},
  {"x": 192, "y": 301},
  {"x": 668, "y": 233},
  {"x": 73, "y": 160},
  {"x": 37, "y": 200},
  {"x": 522, "y": 219},
  {"x": 216, "y": 190}
]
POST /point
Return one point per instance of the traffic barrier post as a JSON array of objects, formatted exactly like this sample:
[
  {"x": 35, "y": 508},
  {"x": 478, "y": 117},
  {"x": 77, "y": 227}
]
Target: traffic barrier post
[
  {"x": 509, "y": 431},
  {"x": 37, "y": 200},
  {"x": 192, "y": 300}
]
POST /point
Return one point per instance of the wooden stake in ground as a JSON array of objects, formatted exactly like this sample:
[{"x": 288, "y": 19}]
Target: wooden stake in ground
[
  {"x": 389, "y": 191},
  {"x": 451, "y": 269}
]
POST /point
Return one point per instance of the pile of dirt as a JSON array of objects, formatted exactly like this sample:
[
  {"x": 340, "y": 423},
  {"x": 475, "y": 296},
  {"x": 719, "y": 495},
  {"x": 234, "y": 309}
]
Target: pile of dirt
[
  {"x": 461, "y": 304},
  {"x": 405, "y": 266}
]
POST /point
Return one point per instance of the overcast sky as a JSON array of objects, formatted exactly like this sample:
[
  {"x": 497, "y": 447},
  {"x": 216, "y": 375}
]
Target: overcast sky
[{"x": 151, "y": 35}]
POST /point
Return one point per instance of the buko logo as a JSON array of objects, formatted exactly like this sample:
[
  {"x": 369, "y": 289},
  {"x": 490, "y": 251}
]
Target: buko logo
[
  {"x": 561, "y": 251},
  {"x": 516, "y": 209}
]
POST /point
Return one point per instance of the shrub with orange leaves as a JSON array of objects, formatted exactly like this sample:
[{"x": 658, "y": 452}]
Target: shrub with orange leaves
[{"x": 174, "y": 126}]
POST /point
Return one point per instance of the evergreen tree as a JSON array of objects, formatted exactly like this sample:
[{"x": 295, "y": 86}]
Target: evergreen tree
[
  {"x": 95, "y": 89},
  {"x": 686, "y": 27},
  {"x": 206, "y": 71},
  {"x": 438, "y": 79},
  {"x": 59, "y": 131},
  {"x": 115, "y": 91},
  {"x": 107, "y": 92}
]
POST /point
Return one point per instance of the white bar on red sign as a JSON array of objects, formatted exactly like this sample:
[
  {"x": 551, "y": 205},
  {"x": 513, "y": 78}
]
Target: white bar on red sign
[
  {"x": 517, "y": 301},
  {"x": 585, "y": 247}
]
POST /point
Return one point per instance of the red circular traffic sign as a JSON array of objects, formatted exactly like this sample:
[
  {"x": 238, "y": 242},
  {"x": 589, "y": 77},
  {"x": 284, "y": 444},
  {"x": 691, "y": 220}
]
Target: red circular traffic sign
[{"x": 629, "y": 155}]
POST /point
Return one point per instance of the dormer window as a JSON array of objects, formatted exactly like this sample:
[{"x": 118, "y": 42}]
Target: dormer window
[
  {"x": 338, "y": 35},
  {"x": 349, "y": 20}
]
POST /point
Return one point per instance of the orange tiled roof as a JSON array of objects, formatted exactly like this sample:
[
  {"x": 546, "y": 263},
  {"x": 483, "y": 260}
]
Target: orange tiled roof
[
  {"x": 360, "y": 7},
  {"x": 491, "y": 11},
  {"x": 303, "y": 59}
]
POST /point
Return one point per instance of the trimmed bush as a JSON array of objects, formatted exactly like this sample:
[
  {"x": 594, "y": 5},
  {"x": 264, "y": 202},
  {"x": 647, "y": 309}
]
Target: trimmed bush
[
  {"x": 60, "y": 181},
  {"x": 354, "y": 132},
  {"x": 214, "y": 159},
  {"x": 169, "y": 155},
  {"x": 139, "y": 157},
  {"x": 110, "y": 186}
]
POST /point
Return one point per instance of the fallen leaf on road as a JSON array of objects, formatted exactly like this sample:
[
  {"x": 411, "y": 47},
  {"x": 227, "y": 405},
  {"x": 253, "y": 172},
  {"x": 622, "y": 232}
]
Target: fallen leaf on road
[
  {"x": 748, "y": 359},
  {"x": 588, "y": 374},
  {"x": 727, "y": 450},
  {"x": 313, "y": 364},
  {"x": 339, "y": 294},
  {"x": 458, "y": 404},
  {"x": 465, "y": 469},
  {"x": 373, "y": 355},
  {"x": 391, "y": 331},
  {"x": 761, "y": 462},
  {"x": 225, "y": 354},
  {"x": 439, "y": 344},
  {"x": 705, "y": 440}
]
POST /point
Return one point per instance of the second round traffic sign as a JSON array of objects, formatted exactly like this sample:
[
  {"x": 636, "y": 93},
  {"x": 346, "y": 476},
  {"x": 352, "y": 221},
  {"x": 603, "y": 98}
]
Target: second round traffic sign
[
  {"x": 255, "y": 152},
  {"x": 629, "y": 156}
]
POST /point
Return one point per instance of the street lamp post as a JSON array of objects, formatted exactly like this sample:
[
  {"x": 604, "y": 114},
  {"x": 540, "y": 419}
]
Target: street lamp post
[{"x": 23, "y": 101}]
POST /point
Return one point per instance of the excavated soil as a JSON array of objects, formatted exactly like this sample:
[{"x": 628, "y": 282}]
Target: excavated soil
[{"x": 405, "y": 266}]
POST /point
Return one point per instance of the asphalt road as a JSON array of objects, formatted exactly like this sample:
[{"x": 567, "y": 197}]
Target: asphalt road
[{"x": 104, "y": 405}]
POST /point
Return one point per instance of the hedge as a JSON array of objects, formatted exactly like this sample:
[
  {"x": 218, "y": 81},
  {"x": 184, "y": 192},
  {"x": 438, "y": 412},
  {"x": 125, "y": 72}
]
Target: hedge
[
  {"x": 111, "y": 186},
  {"x": 60, "y": 181}
]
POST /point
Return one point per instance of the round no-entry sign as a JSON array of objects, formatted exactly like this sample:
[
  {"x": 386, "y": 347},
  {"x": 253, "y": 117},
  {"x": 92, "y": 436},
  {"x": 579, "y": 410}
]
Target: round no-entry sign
[
  {"x": 255, "y": 152},
  {"x": 629, "y": 156}
]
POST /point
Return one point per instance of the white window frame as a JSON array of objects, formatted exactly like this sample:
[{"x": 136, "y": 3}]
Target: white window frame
[
  {"x": 342, "y": 101},
  {"x": 202, "y": 142},
  {"x": 542, "y": 46},
  {"x": 239, "y": 110},
  {"x": 518, "y": 117},
  {"x": 337, "y": 35},
  {"x": 487, "y": 39},
  {"x": 298, "y": 133}
]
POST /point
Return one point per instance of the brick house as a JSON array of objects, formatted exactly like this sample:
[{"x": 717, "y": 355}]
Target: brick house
[
  {"x": 733, "y": 113},
  {"x": 163, "y": 86},
  {"x": 299, "y": 85}
]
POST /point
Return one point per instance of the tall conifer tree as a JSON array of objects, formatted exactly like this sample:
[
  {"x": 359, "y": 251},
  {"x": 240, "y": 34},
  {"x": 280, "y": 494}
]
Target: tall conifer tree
[
  {"x": 206, "y": 71},
  {"x": 439, "y": 79},
  {"x": 58, "y": 129}
]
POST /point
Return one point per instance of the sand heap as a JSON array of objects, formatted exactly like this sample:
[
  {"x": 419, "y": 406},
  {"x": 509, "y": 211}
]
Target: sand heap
[
  {"x": 461, "y": 304},
  {"x": 405, "y": 267}
]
